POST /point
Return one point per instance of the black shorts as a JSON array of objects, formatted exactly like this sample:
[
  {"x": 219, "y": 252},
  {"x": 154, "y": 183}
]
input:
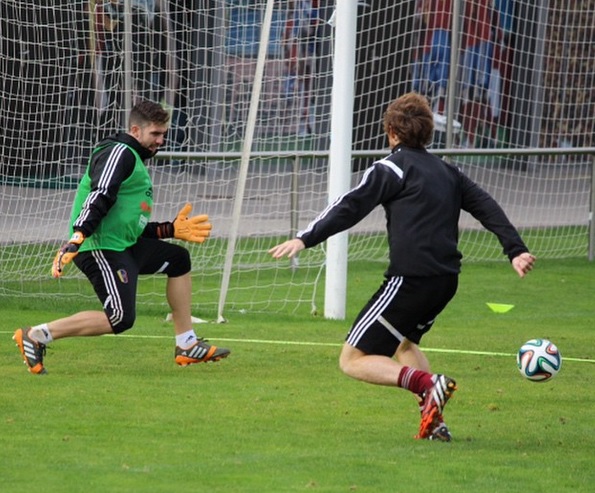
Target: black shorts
[
  {"x": 403, "y": 307},
  {"x": 114, "y": 275}
]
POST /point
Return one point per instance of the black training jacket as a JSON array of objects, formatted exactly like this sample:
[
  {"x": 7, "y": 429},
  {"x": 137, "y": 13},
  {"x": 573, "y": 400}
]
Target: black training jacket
[{"x": 422, "y": 196}]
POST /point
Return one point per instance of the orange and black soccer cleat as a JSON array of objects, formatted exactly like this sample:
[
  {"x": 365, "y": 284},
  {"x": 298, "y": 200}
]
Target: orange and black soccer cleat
[
  {"x": 435, "y": 398},
  {"x": 32, "y": 351},
  {"x": 441, "y": 433},
  {"x": 200, "y": 352}
]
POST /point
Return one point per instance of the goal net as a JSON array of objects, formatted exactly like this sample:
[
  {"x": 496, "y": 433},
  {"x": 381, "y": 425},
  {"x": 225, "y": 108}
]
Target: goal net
[{"x": 515, "y": 75}]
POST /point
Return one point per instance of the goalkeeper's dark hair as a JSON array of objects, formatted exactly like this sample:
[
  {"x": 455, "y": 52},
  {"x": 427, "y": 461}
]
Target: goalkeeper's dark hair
[
  {"x": 146, "y": 112},
  {"x": 410, "y": 118}
]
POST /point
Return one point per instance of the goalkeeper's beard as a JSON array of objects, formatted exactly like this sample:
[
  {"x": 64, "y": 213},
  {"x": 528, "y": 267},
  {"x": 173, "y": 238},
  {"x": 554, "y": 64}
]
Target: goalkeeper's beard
[{"x": 153, "y": 152}]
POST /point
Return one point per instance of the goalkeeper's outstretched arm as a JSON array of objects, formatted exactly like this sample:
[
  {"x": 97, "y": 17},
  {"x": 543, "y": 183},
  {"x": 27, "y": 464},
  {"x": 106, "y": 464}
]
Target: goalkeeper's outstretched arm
[{"x": 194, "y": 229}]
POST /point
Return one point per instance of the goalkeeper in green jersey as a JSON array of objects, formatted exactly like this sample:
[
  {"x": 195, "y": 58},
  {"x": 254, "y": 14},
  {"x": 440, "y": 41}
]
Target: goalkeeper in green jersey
[{"x": 113, "y": 241}]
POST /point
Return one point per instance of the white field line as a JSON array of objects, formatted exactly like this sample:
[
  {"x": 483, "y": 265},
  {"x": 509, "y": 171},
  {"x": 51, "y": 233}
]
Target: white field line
[{"x": 330, "y": 344}]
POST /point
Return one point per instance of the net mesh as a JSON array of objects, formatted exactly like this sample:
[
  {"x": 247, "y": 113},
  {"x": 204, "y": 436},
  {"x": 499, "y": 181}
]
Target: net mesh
[{"x": 521, "y": 73}]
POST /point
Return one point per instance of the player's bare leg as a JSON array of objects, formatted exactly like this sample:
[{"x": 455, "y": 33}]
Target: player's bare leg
[
  {"x": 383, "y": 370},
  {"x": 85, "y": 323},
  {"x": 409, "y": 354},
  {"x": 189, "y": 348},
  {"x": 179, "y": 297},
  {"x": 32, "y": 341},
  {"x": 371, "y": 368}
]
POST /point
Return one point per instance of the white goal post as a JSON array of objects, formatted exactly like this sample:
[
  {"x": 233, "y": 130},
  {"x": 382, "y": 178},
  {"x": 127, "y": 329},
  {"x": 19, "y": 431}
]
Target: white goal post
[
  {"x": 246, "y": 154},
  {"x": 339, "y": 177},
  {"x": 514, "y": 100}
]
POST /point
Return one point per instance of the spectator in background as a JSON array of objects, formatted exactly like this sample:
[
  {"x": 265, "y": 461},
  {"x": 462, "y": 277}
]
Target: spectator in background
[
  {"x": 432, "y": 72},
  {"x": 300, "y": 50},
  {"x": 109, "y": 46},
  {"x": 505, "y": 12},
  {"x": 143, "y": 18},
  {"x": 108, "y": 49},
  {"x": 421, "y": 52},
  {"x": 480, "y": 31},
  {"x": 500, "y": 81}
]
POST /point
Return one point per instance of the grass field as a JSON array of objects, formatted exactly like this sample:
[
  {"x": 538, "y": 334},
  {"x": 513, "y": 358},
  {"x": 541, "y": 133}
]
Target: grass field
[{"x": 115, "y": 414}]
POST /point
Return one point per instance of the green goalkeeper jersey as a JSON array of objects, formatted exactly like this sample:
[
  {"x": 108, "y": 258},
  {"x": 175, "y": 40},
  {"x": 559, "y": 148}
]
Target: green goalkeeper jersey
[{"x": 114, "y": 199}]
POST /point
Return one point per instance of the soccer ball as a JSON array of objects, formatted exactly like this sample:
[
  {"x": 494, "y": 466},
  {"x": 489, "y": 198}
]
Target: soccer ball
[{"x": 539, "y": 360}]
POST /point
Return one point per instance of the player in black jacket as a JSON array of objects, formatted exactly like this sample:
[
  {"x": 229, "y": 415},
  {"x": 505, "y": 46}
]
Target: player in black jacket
[{"x": 422, "y": 196}]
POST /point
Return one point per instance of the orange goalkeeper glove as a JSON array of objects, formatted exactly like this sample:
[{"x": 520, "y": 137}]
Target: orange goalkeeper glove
[
  {"x": 196, "y": 228},
  {"x": 67, "y": 252}
]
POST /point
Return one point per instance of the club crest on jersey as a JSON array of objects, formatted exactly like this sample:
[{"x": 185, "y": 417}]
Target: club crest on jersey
[
  {"x": 122, "y": 275},
  {"x": 145, "y": 207}
]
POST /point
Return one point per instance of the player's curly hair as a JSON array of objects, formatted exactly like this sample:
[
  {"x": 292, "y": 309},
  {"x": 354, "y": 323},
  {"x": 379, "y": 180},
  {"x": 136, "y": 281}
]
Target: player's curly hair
[
  {"x": 410, "y": 118},
  {"x": 145, "y": 112}
]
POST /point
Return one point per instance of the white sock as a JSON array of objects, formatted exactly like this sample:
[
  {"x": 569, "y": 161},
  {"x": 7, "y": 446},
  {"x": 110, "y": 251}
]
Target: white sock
[
  {"x": 41, "y": 333},
  {"x": 186, "y": 339}
]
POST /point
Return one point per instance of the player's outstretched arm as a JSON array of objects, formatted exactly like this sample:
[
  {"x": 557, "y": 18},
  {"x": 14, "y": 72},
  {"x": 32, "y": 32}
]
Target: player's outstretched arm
[
  {"x": 288, "y": 248},
  {"x": 523, "y": 263}
]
